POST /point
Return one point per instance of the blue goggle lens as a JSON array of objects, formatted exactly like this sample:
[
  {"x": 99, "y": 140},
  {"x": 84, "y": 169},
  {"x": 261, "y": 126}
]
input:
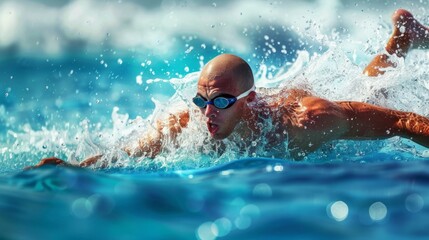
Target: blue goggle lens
[
  {"x": 200, "y": 102},
  {"x": 219, "y": 102}
]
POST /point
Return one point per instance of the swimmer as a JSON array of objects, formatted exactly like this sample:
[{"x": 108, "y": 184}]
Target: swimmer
[{"x": 227, "y": 98}]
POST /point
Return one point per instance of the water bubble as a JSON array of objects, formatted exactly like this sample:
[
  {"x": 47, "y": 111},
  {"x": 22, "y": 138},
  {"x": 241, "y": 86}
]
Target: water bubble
[
  {"x": 204, "y": 231},
  {"x": 262, "y": 190},
  {"x": 414, "y": 203},
  {"x": 250, "y": 210},
  {"x": 242, "y": 222},
  {"x": 278, "y": 168},
  {"x": 139, "y": 80},
  {"x": 222, "y": 227},
  {"x": 227, "y": 172},
  {"x": 101, "y": 204},
  {"x": 377, "y": 211},
  {"x": 81, "y": 208},
  {"x": 186, "y": 69},
  {"x": 339, "y": 211},
  {"x": 189, "y": 49},
  {"x": 120, "y": 61}
]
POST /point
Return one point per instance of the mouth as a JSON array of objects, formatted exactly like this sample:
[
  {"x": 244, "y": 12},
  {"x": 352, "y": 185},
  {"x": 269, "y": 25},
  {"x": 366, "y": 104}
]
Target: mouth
[{"x": 213, "y": 128}]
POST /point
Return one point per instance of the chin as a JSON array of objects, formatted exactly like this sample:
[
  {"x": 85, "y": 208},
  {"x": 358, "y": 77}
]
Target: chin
[{"x": 219, "y": 136}]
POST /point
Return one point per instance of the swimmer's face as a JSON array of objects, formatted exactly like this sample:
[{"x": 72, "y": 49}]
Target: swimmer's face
[{"x": 221, "y": 122}]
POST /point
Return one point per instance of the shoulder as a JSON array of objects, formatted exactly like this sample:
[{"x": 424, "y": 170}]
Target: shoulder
[
  {"x": 319, "y": 104},
  {"x": 316, "y": 113}
]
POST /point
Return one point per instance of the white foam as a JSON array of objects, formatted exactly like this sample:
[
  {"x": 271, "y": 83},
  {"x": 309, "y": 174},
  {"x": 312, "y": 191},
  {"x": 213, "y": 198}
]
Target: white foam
[
  {"x": 333, "y": 75},
  {"x": 38, "y": 27}
]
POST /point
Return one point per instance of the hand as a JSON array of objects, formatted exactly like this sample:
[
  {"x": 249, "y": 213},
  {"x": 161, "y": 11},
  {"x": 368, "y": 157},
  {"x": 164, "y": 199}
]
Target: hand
[{"x": 48, "y": 161}]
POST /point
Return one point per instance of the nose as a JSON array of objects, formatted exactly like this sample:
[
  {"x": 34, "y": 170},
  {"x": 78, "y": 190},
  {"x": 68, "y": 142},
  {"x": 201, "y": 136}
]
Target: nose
[{"x": 211, "y": 111}]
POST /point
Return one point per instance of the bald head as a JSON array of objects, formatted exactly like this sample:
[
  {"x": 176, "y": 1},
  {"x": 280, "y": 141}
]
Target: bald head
[
  {"x": 229, "y": 66},
  {"x": 225, "y": 77}
]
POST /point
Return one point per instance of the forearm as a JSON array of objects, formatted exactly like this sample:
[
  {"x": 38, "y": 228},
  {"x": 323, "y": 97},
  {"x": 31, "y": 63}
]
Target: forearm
[
  {"x": 148, "y": 146},
  {"x": 166, "y": 133},
  {"x": 91, "y": 161},
  {"x": 59, "y": 162},
  {"x": 414, "y": 127},
  {"x": 368, "y": 121}
]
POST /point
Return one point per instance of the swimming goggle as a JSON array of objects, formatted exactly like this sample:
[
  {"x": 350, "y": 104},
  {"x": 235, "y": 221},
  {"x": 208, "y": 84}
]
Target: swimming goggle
[{"x": 222, "y": 101}]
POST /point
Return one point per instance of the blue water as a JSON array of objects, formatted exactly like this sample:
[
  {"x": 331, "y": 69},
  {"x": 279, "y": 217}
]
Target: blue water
[
  {"x": 85, "y": 77},
  {"x": 245, "y": 199}
]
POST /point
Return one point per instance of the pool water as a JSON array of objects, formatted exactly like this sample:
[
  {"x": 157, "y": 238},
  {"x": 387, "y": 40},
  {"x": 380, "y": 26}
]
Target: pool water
[
  {"x": 94, "y": 75},
  {"x": 245, "y": 199}
]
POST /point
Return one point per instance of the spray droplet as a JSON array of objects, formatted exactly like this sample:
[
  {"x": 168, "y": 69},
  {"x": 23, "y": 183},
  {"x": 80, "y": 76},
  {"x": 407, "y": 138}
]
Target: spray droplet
[{"x": 139, "y": 80}]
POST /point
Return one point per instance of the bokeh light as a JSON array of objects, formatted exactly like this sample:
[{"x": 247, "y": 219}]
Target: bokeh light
[{"x": 339, "y": 211}]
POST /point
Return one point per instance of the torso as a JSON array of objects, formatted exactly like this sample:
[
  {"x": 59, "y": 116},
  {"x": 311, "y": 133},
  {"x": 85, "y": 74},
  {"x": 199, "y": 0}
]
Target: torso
[{"x": 303, "y": 120}]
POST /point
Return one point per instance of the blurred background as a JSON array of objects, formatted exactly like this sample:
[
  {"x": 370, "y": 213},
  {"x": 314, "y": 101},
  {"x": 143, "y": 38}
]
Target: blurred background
[
  {"x": 66, "y": 60},
  {"x": 74, "y": 72}
]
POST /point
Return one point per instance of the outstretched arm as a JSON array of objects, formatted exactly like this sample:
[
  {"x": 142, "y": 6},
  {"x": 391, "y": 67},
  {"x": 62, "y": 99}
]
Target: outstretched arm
[
  {"x": 366, "y": 121},
  {"x": 149, "y": 146},
  {"x": 167, "y": 130},
  {"x": 59, "y": 162}
]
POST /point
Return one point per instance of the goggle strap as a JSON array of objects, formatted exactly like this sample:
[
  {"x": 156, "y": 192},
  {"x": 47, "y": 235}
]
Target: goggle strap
[{"x": 246, "y": 92}]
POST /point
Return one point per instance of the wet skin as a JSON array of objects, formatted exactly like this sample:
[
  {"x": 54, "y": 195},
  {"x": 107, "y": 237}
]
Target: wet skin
[
  {"x": 221, "y": 122},
  {"x": 309, "y": 121}
]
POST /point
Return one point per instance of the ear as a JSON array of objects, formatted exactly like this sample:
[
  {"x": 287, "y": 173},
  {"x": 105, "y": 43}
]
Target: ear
[{"x": 251, "y": 97}]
